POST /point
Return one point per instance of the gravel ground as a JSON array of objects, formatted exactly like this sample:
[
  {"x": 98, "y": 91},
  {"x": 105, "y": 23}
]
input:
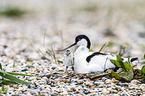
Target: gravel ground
[{"x": 51, "y": 25}]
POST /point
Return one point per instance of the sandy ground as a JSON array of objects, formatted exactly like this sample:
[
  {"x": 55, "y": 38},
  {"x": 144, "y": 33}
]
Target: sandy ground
[
  {"x": 118, "y": 22},
  {"x": 51, "y": 25}
]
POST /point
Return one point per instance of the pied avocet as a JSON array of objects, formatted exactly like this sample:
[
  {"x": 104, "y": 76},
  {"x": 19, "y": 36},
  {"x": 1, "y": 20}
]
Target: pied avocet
[
  {"x": 68, "y": 60},
  {"x": 85, "y": 61}
]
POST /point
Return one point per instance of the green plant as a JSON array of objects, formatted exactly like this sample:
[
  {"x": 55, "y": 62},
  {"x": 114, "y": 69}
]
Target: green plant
[
  {"x": 110, "y": 44},
  {"x": 12, "y": 11},
  {"x": 103, "y": 46},
  {"x": 127, "y": 73},
  {"x": 51, "y": 53},
  {"x": 143, "y": 70},
  {"x": 88, "y": 8},
  {"x": 13, "y": 79}
]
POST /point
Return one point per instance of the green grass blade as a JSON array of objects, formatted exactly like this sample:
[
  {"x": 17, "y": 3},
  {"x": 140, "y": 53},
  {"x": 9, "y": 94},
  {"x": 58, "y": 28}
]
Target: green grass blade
[
  {"x": 115, "y": 62},
  {"x": 7, "y": 82},
  {"x": 12, "y": 12},
  {"x": 13, "y": 78},
  {"x": 121, "y": 63},
  {"x": 129, "y": 60},
  {"x": 3, "y": 89},
  {"x": 0, "y": 66},
  {"x": 12, "y": 73},
  {"x": 143, "y": 70},
  {"x": 118, "y": 58},
  {"x": 102, "y": 47},
  {"x": 124, "y": 76}
]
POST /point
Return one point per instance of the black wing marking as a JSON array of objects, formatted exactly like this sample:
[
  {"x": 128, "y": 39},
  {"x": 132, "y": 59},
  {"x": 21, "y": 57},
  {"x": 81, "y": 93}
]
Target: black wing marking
[
  {"x": 115, "y": 69},
  {"x": 133, "y": 59},
  {"x": 88, "y": 59}
]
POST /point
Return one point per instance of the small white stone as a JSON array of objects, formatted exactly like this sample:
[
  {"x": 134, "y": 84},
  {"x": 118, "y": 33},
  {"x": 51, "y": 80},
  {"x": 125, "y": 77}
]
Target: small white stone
[
  {"x": 109, "y": 89},
  {"x": 122, "y": 88},
  {"x": 105, "y": 91},
  {"x": 124, "y": 93},
  {"x": 135, "y": 82},
  {"x": 108, "y": 81},
  {"x": 142, "y": 86}
]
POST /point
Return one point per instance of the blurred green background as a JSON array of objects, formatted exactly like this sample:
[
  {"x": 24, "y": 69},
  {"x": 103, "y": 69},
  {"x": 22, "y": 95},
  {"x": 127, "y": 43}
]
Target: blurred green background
[{"x": 119, "y": 22}]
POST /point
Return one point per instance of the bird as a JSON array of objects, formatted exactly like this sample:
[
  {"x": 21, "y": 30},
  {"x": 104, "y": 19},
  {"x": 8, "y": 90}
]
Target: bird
[
  {"x": 86, "y": 61},
  {"x": 68, "y": 60}
]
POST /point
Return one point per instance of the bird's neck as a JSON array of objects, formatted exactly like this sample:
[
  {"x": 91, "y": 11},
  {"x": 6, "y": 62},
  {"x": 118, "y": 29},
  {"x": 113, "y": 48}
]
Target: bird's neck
[
  {"x": 85, "y": 42},
  {"x": 81, "y": 50}
]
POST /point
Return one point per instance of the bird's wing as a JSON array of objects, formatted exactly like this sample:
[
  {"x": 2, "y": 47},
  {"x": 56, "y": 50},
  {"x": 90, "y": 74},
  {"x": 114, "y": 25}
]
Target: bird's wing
[{"x": 102, "y": 60}]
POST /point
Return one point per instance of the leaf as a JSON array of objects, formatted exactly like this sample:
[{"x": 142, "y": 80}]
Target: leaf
[
  {"x": 7, "y": 82},
  {"x": 12, "y": 73},
  {"x": 143, "y": 70},
  {"x": 113, "y": 61},
  {"x": 91, "y": 50},
  {"x": 14, "y": 65},
  {"x": 0, "y": 66},
  {"x": 30, "y": 66},
  {"x": 102, "y": 47},
  {"x": 3, "y": 88},
  {"x": 119, "y": 60},
  {"x": 59, "y": 61},
  {"x": 127, "y": 76},
  {"x": 117, "y": 64},
  {"x": 13, "y": 78},
  {"x": 126, "y": 66},
  {"x": 124, "y": 76},
  {"x": 115, "y": 75},
  {"x": 128, "y": 60}
]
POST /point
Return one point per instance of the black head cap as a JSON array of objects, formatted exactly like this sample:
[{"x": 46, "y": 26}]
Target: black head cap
[
  {"x": 77, "y": 39},
  {"x": 80, "y": 37}
]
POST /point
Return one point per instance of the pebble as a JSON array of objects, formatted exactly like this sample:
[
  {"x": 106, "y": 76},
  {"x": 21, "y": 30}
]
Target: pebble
[
  {"x": 108, "y": 81},
  {"x": 124, "y": 93},
  {"x": 75, "y": 85},
  {"x": 142, "y": 86},
  {"x": 19, "y": 55},
  {"x": 135, "y": 82},
  {"x": 43, "y": 92},
  {"x": 143, "y": 81},
  {"x": 105, "y": 92}
]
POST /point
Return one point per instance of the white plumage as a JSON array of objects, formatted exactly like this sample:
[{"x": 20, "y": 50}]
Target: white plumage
[
  {"x": 85, "y": 61},
  {"x": 68, "y": 59},
  {"x": 97, "y": 63}
]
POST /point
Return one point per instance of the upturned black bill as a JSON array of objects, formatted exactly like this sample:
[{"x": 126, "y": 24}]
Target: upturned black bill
[{"x": 68, "y": 47}]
